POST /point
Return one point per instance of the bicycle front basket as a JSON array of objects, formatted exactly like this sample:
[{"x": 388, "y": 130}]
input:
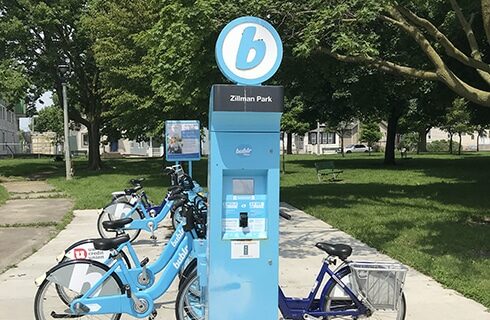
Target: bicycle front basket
[{"x": 381, "y": 283}]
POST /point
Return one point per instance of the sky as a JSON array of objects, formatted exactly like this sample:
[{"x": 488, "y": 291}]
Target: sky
[{"x": 47, "y": 98}]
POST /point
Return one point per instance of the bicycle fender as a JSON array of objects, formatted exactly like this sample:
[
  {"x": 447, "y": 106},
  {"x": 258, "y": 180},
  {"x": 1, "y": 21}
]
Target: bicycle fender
[
  {"x": 80, "y": 275},
  {"x": 119, "y": 210},
  {"x": 85, "y": 250}
]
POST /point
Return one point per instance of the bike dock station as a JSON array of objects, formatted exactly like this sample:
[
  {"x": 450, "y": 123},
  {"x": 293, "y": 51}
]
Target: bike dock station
[{"x": 243, "y": 168}]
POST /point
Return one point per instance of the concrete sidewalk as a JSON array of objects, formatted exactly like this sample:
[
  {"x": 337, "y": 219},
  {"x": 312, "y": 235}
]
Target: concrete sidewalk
[
  {"x": 29, "y": 219},
  {"x": 300, "y": 261}
]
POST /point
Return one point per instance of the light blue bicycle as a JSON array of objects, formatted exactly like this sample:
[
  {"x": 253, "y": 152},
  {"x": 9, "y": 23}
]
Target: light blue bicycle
[
  {"x": 99, "y": 291},
  {"x": 147, "y": 217}
]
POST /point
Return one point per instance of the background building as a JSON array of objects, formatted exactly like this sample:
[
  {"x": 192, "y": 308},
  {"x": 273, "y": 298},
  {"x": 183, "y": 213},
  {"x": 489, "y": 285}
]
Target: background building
[{"x": 9, "y": 128}]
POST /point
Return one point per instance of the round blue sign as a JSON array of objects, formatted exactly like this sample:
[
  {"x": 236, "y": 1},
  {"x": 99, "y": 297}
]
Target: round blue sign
[{"x": 249, "y": 51}]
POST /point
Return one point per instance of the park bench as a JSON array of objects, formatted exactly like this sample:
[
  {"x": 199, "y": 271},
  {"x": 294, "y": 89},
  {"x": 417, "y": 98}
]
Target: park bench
[
  {"x": 77, "y": 153},
  {"x": 327, "y": 168}
]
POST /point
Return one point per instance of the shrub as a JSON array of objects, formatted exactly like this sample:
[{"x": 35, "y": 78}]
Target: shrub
[{"x": 441, "y": 146}]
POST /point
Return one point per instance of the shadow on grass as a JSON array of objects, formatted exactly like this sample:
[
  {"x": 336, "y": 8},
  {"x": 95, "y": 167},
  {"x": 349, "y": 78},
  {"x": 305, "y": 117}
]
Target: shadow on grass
[{"x": 373, "y": 212}]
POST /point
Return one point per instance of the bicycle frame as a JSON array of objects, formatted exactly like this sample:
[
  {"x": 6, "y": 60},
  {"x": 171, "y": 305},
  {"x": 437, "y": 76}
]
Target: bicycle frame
[
  {"x": 107, "y": 257},
  {"x": 144, "y": 224},
  {"x": 297, "y": 308},
  {"x": 123, "y": 303}
]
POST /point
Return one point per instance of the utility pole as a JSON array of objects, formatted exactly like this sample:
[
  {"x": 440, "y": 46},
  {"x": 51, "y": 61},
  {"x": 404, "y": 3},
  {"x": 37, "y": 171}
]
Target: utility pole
[
  {"x": 64, "y": 69},
  {"x": 318, "y": 137}
]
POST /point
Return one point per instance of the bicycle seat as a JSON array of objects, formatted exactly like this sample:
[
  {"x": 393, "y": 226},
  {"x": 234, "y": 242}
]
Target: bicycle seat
[
  {"x": 342, "y": 251},
  {"x": 130, "y": 191},
  {"x": 136, "y": 182},
  {"x": 107, "y": 244},
  {"x": 116, "y": 224}
]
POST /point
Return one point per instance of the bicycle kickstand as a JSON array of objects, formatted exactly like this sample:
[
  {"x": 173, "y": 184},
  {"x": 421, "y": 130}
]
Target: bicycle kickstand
[
  {"x": 153, "y": 315},
  {"x": 308, "y": 317},
  {"x": 152, "y": 236}
]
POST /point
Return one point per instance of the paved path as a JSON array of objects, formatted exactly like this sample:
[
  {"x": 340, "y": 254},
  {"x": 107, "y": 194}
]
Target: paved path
[
  {"x": 33, "y": 212},
  {"x": 300, "y": 261}
]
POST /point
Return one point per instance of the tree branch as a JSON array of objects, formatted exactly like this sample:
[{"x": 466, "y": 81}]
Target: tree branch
[
  {"x": 485, "y": 11},
  {"x": 470, "y": 35},
  {"x": 383, "y": 65},
  {"x": 449, "y": 47},
  {"x": 443, "y": 72}
]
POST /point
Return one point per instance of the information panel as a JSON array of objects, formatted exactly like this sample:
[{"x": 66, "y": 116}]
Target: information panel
[{"x": 183, "y": 140}]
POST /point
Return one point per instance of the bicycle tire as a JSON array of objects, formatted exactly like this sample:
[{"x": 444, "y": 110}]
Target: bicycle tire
[
  {"x": 105, "y": 216},
  {"x": 345, "y": 303},
  {"x": 177, "y": 217},
  {"x": 189, "y": 268},
  {"x": 41, "y": 298},
  {"x": 187, "y": 303}
]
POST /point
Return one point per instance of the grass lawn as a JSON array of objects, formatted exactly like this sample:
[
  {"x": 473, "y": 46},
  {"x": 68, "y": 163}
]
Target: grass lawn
[
  {"x": 431, "y": 212},
  {"x": 4, "y": 195}
]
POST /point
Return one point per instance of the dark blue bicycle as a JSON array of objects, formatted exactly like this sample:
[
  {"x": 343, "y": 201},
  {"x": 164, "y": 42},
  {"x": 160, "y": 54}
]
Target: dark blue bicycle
[{"x": 355, "y": 289}]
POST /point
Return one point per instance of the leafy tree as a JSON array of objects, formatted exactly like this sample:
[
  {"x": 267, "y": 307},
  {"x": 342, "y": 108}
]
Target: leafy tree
[
  {"x": 39, "y": 35},
  {"x": 457, "y": 122},
  {"x": 292, "y": 121},
  {"x": 480, "y": 119},
  {"x": 430, "y": 39},
  {"x": 118, "y": 29},
  {"x": 370, "y": 133},
  {"x": 426, "y": 110},
  {"x": 13, "y": 84},
  {"x": 51, "y": 119},
  {"x": 341, "y": 115},
  {"x": 410, "y": 141},
  {"x": 481, "y": 130}
]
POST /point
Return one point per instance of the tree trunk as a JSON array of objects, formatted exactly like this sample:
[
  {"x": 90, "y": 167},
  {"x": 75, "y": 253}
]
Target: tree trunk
[
  {"x": 94, "y": 162},
  {"x": 450, "y": 143},
  {"x": 390, "y": 139},
  {"x": 422, "y": 143},
  {"x": 459, "y": 146},
  {"x": 289, "y": 149},
  {"x": 342, "y": 145},
  {"x": 478, "y": 142}
]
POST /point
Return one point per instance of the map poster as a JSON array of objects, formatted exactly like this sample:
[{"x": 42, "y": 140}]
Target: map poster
[{"x": 183, "y": 140}]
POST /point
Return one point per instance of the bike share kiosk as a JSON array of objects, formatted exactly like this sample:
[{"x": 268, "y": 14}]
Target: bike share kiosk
[{"x": 244, "y": 126}]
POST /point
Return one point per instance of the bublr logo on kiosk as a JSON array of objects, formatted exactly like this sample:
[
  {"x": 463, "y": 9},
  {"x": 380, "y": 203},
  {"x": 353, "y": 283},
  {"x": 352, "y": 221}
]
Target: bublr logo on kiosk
[{"x": 249, "y": 51}]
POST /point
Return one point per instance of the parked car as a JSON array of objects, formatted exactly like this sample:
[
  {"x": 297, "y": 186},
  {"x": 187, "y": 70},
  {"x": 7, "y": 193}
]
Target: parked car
[{"x": 355, "y": 148}]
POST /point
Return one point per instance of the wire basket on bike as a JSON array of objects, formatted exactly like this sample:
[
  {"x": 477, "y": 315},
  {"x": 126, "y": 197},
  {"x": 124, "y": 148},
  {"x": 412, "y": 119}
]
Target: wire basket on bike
[{"x": 381, "y": 283}]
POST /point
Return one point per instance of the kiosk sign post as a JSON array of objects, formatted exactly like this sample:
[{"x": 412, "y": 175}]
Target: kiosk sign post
[
  {"x": 183, "y": 141},
  {"x": 243, "y": 226}
]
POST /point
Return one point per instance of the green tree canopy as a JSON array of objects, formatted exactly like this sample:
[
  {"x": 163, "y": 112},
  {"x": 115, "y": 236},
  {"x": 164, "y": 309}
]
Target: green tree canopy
[
  {"x": 371, "y": 134},
  {"x": 40, "y": 35},
  {"x": 437, "y": 40},
  {"x": 50, "y": 119}
]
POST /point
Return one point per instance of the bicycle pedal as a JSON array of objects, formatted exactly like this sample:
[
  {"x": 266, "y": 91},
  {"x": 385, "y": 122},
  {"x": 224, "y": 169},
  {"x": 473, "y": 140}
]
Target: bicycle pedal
[{"x": 153, "y": 315}]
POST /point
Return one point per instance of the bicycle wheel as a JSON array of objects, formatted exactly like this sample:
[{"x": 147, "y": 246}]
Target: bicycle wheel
[
  {"x": 337, "y": 300},
  {"x": 113, "y": 212},
  {"x": 188, "y": 305},
  {"x": 67, "y": 295},
  {"x": 47, "y": 303}
]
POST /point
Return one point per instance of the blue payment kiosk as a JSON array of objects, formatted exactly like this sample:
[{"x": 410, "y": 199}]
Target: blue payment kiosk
[{"x": 243, "y": 223}]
